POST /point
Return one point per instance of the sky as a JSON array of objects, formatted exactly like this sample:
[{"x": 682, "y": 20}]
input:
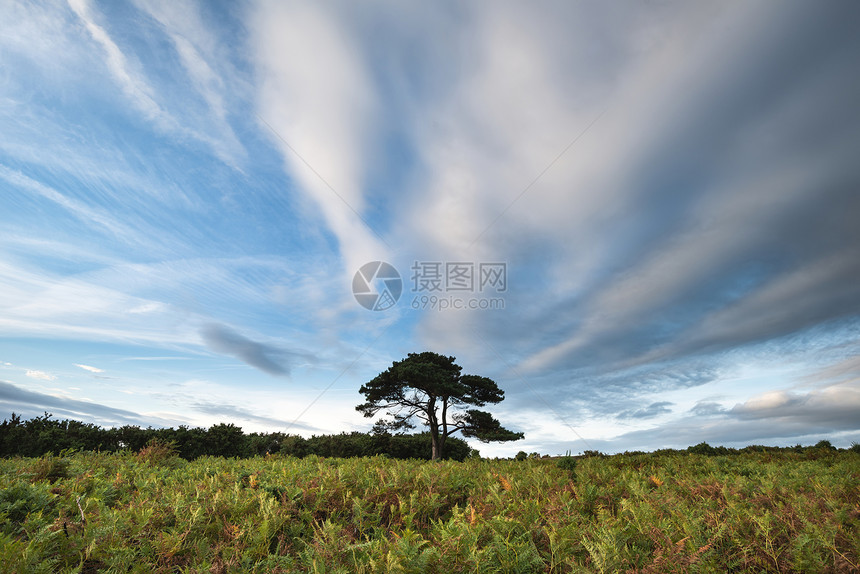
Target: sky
[{"x": 638, "y": 217}]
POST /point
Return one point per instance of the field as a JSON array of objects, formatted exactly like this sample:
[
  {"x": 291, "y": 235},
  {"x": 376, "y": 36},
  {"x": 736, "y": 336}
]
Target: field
[{"x": 152, "y": 512}]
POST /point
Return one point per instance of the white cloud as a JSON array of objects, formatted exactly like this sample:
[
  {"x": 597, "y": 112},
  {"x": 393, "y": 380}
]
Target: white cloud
[
  {"x": 148, "y": 308},
  {"x": 87, "y": 214},
  {"x": 40, "y": 32},
  {"x": 133, "y": 85},
  {"x": 198, "y": 50},
  {"x": 40, "y": 303},
  {"x": 766, "y": 402},
  {"x": 146, "y": 303},
  {"x": 41, "y": 375},
  {"x": 316, "y": 93},
  {"x": 530, "y": 92},
  {"x": 129, "y": 75},
  {"x": 89, "y": 368},
  {"x": 838, "y": 405}
]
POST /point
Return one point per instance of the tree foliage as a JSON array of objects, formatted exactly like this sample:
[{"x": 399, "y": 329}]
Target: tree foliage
[
  {"x": 43, "y": 435},
  {"x": 429, "y": 387}
]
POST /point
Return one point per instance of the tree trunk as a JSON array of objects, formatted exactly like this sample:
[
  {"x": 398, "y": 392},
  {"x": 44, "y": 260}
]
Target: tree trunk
[
  {"x": 437, "y": 448},
  {"x": 436, "y": 451},
  {"x": 444, "y": 434}
]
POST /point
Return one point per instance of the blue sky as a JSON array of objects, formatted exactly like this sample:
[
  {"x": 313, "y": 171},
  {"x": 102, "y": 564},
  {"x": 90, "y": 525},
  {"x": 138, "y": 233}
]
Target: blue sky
[{"x": 187, "y": 190}]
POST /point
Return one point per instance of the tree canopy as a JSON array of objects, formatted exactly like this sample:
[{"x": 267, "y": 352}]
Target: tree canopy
[
  {"x": 430, "y": 388},
  {"x": 44, "y": 435}
]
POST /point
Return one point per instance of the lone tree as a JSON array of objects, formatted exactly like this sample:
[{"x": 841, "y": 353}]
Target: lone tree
[{"x": 429, "y": 387}]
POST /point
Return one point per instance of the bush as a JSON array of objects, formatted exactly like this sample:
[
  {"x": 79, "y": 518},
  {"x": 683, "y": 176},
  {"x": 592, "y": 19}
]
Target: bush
[
  {"x": 521, "y": 455},
  {"x": 567, "y": 462},
  {"x": 702, "y": 448}
]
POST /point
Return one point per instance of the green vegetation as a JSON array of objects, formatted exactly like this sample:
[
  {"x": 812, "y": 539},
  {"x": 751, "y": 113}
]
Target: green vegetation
[
  {"x": 44, "y": 435},
  {"x": 770, "y": 511}
]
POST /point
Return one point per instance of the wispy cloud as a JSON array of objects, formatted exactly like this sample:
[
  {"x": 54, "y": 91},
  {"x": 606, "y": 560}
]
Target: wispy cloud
[
  {"x": 89, "y": 368},
  {"x": 241, "y": 414},
  {"x": 41, "y": 375},
  {"x": 31, "y": 403},
  {"x": 132, "y": 84},
  {"x": 183, "y": 26},
  {"x": 198, "y": 50},
  {"x": 146, "y": 302},
  {"x": 267, "y": 358},
  {"x": 649, "y": 412},
  {"x": 325, "y": 114},
  {"x": 88, "y": 215}
]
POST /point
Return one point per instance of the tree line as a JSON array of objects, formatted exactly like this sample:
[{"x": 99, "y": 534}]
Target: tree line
[
  {"x": 42, "y": 435},
  {"x": 424, "y": 388}
]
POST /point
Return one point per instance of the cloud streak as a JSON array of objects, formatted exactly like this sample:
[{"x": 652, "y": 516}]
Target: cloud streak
[
  {"x": 683, "y": 223},
  {"x": 322, "y": 116},
  {"x": 267, "y": 358},
  {"x": 31, "y": 403},
  {"x": 651, "y": 411},
  {"x": 233, "y": 412},
  {"x": 89, "y": 368},
  {"x": 135, "y": 88}
]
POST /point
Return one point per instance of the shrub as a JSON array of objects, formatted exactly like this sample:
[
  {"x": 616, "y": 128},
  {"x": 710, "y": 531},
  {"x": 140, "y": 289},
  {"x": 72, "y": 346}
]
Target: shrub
[
  {"x": 702, "y": 448},
  {"x": 158, "y": 451},
  {"x": 567, "y": 462},
  {"x": 521, "y": 455}
]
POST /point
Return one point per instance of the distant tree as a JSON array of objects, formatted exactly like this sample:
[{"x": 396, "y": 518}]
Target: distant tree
[
  {"x": 702, "y": 448},
  {"x": 226, "y": 440},
  {"x": 429, "y": 387}
]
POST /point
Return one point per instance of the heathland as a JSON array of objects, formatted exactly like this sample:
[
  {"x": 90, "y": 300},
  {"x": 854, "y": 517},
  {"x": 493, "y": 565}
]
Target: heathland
[{"x": 755, "y": 510}]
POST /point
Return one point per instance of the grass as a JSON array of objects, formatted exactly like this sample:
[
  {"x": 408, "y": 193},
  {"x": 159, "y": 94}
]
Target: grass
[{"x": 154, "y": 512}]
